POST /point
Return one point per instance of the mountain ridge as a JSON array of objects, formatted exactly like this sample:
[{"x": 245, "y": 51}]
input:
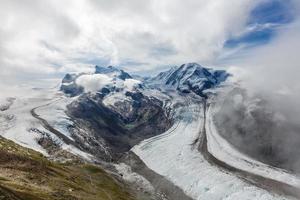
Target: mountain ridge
[{"x": 189, "y": 77}]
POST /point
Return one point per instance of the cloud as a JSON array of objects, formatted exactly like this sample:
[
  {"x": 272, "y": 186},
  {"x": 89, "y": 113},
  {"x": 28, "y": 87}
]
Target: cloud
[
  {"x": 271, "y": 73},
  {"x": 130, "y": 84},
  {"x": 274, "y": 67},
  {"x": 47, "y": 37},
  {"x": 93, "y": 82}
]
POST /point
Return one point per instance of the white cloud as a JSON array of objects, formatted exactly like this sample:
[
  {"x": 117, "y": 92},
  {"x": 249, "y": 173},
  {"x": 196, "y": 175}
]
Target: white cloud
[
  {"x": 273, "y": 70},
  {"x": 275, "y": 66},
  {"x": 130, "y": 84},
  {"x": 93, "y": 82},
  {"x": 45, "y": 37}
]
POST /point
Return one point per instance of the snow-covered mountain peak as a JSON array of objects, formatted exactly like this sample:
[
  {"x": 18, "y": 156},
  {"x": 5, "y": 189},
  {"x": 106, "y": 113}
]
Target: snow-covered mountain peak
[
  {"x": 191, "y": 66},
  {"x": 112, "y": 71},
  {"x": 108, "y": 78},
  {"x": 191, "y": 77}
]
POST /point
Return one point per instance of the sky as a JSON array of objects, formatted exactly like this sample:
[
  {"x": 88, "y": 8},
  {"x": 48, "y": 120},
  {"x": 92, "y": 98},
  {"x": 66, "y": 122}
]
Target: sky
[
  {"x": 258, "y": 41},
  {"x": 46, "y": 39}
]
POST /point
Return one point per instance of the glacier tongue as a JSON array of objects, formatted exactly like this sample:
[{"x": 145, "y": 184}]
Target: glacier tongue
[{"x": 173, "y": 156}]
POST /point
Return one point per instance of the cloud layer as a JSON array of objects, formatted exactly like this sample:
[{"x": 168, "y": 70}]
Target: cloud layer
[
  {"x": 273, "y": 70},
  {"x": 50, "y": 37}
]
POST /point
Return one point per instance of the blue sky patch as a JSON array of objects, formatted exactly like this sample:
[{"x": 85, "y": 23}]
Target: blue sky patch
[
  {"x": 258, "y": 37},
  {"x": 263, "y": 22},
  {"x": 272, "y": 11}
]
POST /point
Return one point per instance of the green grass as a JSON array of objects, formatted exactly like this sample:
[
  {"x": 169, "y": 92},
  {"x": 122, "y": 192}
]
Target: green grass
[{"x": 27, "y": 175}]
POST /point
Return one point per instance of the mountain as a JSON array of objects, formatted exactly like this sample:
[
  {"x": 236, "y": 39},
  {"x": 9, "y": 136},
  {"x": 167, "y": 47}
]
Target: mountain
[
  {"x": 69, "y": 86},
  {"x": 184, "y": 134},
  {"x": 118, "y": 79},
  {"x": 117, "y": 115},
  {"x": 122, "y": 111},
  {"x": 191, "y": 77},
  {"x": 112, "y": 71}
]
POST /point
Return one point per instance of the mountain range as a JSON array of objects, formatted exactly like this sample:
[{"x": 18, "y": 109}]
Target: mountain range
[{"x": 182, "y": 134}]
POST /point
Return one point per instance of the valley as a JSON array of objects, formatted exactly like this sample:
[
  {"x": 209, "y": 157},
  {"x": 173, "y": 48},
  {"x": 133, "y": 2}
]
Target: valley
[{"x": 156, "y": 138}]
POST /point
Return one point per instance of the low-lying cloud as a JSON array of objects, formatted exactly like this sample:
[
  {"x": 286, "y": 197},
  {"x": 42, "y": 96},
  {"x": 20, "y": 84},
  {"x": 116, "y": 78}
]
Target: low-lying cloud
[
  {"x": 130, "y": 84},
  {"x": 268, "y": 119},
  {"x": 273, "y": 71},
  {"x": 93, "y": 82}
]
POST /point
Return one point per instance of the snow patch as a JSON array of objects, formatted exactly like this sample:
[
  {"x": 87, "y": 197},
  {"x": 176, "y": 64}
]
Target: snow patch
[{"x": 113, "y": 98}]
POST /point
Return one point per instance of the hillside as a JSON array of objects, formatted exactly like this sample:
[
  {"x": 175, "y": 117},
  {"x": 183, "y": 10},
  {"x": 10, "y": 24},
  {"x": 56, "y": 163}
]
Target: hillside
[{"x": 27, "y": 175}]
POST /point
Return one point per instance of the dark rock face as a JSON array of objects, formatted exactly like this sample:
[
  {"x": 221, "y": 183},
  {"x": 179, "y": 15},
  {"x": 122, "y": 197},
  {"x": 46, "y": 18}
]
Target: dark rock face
[
  {"x": 69, "y": 86},
  {"x": 69, "y": 78},
  {"x": 220, "y": 75},
  {"x": 124, "y": 75},
  {"x": 135, "y": 95},
  {"x": 119, "y": 127},
  {"x": 72, "y": 89}
]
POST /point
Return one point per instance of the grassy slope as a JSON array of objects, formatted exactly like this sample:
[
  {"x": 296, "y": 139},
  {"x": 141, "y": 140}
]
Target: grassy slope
[{"x": 27, "y": 175}]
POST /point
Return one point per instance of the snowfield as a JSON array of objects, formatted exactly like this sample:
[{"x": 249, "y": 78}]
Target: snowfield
[
  {"x": 111, "y": 99},
  {"x": 174, "y": 156},
  {"x": 54, "y": 113},
  {"x": 17, "y": 123}
]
